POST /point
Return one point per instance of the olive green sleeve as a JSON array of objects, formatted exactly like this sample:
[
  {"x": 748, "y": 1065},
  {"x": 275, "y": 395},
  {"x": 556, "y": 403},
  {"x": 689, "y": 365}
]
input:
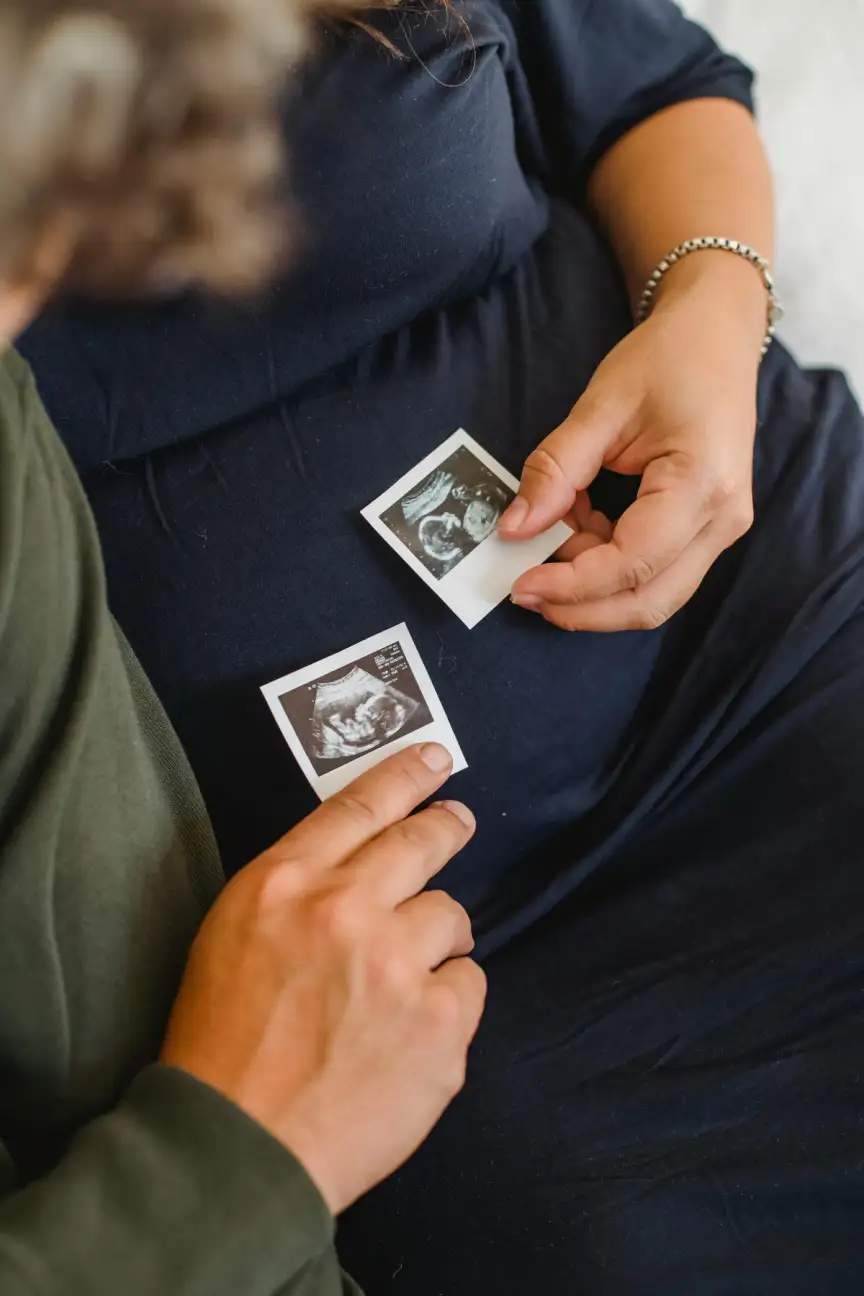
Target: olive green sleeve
[
  {"x": 147, "y": 1186},
  {"x": 175, "y": 1191}
]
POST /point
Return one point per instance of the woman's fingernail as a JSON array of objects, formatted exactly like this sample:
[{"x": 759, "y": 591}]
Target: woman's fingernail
[
  {"x": 516, "y": 515},
  {"x": 435, "y": 757},
  {"x": 462, "y": 813},
  {"x": 528, "y": 601}
]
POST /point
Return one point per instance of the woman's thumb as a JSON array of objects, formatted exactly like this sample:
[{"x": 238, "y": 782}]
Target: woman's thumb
[{"x": 563, "y": 465}]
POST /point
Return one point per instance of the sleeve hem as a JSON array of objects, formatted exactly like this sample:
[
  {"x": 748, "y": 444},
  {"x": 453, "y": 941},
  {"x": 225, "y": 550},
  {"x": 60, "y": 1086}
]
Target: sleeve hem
[
  {"x": 227, "y": 1154},
  {"x": 737, "y": 88}
]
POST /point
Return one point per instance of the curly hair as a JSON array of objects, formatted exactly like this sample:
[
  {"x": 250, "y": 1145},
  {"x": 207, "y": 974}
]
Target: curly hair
[{"x": 144, "y": 136}]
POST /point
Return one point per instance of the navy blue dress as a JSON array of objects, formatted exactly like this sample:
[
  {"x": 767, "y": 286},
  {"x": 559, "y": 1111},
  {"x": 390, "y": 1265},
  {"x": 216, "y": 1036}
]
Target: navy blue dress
[{"x": 668, "y": 877}]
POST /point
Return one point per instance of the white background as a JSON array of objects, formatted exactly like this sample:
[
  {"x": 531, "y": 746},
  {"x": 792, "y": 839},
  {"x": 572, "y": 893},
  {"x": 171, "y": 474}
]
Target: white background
[{"x": 809, "y": 57}]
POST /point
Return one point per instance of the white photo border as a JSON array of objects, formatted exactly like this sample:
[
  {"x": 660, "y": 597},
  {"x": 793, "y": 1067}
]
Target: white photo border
[
  {"x": 485, "y": 576},
  {"x": 438, "y": 730}
]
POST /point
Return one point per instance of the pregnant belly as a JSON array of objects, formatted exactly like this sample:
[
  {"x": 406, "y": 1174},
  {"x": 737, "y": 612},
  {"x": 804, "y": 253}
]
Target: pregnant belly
[{"x": 238, "y": 558}]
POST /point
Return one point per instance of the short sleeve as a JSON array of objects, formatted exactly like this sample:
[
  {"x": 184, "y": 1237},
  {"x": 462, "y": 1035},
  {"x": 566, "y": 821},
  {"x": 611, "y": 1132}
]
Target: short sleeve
[{"x": 596, "y": 68}]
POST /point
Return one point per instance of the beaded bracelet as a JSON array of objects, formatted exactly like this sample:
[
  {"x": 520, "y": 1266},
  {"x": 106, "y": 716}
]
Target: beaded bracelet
[{"x": 775, "y": 310}]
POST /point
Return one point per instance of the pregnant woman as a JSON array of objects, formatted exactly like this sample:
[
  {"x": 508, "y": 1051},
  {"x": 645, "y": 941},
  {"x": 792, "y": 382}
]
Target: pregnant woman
[{"x": 667, "y": 878}]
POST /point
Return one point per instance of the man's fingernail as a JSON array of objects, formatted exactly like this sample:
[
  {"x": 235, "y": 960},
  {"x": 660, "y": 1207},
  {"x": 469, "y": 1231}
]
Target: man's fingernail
[
  {"x": 436, "y": 757},
  {"x": 515, "y": 516},
  {"x": 462, "y": 813},
  {"x": 528, "y": 601}
]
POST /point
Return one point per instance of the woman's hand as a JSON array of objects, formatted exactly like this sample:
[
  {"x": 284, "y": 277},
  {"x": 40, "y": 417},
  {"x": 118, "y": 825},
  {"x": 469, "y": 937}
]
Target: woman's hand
[{"x": 676, "y": 403}]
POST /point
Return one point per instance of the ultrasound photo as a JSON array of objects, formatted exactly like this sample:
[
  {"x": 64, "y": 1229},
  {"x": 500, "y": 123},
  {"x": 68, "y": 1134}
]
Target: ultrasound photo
[
  {"x": 450, "y": 512},
  {"x": 356, "y": 709}
]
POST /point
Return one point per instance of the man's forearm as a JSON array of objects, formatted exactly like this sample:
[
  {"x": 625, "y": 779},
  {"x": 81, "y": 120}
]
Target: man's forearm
[{"x": 698, "y": 168}]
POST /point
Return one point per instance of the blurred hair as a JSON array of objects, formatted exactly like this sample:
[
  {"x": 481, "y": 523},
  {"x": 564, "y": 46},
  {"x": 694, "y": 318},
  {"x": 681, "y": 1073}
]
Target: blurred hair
[
  {"x": 144, "y": 135},
  {"x": 349, "y": 12}
]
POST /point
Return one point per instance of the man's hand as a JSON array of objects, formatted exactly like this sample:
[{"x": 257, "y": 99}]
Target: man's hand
[
  {"x": 676, "y": 403},
  {"x": 325, "y": 995}
]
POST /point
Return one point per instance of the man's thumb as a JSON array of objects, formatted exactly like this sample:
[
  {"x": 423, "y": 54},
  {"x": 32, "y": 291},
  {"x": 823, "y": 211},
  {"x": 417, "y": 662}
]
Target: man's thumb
[{"x": 563, "y": 465}]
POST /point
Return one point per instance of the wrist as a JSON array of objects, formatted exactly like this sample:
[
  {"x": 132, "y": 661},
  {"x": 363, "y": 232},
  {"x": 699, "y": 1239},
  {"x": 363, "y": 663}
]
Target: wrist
[
  {"x": 726, "y": 288},
  {"x": 310, "y": 1141},
  {"x": 300, "y": 1134}
]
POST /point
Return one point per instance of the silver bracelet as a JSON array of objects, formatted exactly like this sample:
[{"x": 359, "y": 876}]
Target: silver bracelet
[{"x": 775, "y": 310}]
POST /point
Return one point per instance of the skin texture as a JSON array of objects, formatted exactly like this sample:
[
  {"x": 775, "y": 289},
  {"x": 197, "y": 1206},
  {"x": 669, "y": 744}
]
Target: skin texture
[
  {"x": 326, "y": 996},
  {"x": 675, "y": 402},
  {"x": 17, "y": 309}
]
